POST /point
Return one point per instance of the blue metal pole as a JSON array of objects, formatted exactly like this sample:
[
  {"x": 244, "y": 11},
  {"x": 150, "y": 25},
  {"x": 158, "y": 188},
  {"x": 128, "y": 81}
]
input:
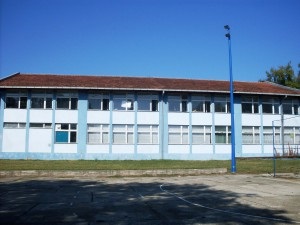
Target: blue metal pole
[{"x": 233, "y": 161}]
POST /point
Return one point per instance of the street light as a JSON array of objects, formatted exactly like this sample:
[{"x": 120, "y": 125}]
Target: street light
[{"x": 233, "y": 162}]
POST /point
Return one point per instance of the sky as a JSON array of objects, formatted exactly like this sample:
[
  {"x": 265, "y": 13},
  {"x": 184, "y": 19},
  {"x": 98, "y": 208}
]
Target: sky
[{"x": 149, "y": 38}]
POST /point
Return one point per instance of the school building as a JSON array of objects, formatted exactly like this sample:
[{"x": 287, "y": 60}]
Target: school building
[{"x": 115, "y": 117}]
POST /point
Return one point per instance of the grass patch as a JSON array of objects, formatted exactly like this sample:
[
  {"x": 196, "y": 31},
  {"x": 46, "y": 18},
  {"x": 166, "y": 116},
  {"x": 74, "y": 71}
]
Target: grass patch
[{"x": 244, "y": 166}]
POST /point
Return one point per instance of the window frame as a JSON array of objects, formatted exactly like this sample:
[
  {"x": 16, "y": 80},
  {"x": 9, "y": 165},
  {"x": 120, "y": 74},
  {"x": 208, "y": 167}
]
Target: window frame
[
  {"x": 274, "y": 103},
  {"x": 103, "y": 99},
  {"x": 224, "y": 102},
  {"x": 126, "y": 102},
  {"x": 72, "y": 100},
  {"x": 153, "y": 134},
  {"x": 206, "y": 131},
  {"x": 182, "y": 131},
  {"x": 204, "y": 103},
  {"x": 70, "y": 131},
  {"x": 21, "y": 100},
  {"x": 128, "y": 132},
  {"x": 46, "y": 101},
  {"x": 250, "y": 100},
  {"x": 150, "y": 99},
  {"x": 181, "y": 100},
  {"x": 254, "y": 132},
  {"x": 102, "y": 130},
  {"x": 227, "y": 133}
]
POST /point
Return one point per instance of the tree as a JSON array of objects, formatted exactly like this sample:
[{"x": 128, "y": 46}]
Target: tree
[{"x": 284, "y": 75}]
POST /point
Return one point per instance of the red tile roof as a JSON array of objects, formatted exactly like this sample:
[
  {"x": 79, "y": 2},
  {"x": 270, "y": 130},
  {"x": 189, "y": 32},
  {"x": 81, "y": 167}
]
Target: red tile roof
[{"x": 140, "y": 83}]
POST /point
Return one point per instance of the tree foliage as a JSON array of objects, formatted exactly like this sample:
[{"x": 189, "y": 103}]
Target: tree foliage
[{"x": 284, "y": 75}]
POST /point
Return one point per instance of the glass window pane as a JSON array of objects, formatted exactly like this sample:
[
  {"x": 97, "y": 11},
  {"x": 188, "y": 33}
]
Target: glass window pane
[
  {"x": 10, "y": 125},
  {"x": 36, "y": 125},
  {"x": 94, "y": 104},
  {"x": 246, "y": 107},
  {"x": 63, "y": 103},
  {"x": 144, "y": 138},
  {"x": 144, "y": 104},
  {"x": 48, "y": 103},
  {"x": 93, "y": 137},
  {"x": 184, "y": 106},
  {"x": 37, "y": 103},
  {"x": 61, "y": 136},
  {"x": 74, "y": 102},
  {"x": 220, "y": 107},
  {"x": 197, "y": 106},
  {"x": 73, "y": 126},
  {"x": 267, "y": 108},
  {"x": 185, "y": 138},
  {"x": 94, "y": 127},
  {"x": 12, "y": 102},
  {"x": 73, "y": 138},
  {"x": 130, "y": 138},
  {"x": 154, "y": 138},
  {"x": 105, "y": 104},
  {"x": 174, "y": 138},
  {"x": 174, "y": 105},
  {"x": 64, "y": 126},
  {"x": 105, "y": 138},
  {"x": 220, "y": 138},
  {"x": 119, "y": 138},
  {"x": 154, "y": 106},
  {"x": 198, "y": 138},
  {"x": 118, "y": 104},
  {"x": 23, "y": 102}
]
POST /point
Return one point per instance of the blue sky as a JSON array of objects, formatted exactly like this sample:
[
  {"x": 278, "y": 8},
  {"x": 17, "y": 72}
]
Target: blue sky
[{"x": 156, "y": 38}]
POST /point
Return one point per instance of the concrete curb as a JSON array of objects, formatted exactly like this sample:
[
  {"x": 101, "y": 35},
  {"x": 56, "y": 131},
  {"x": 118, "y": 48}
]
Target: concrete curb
[{"x": 111, "y": 173}]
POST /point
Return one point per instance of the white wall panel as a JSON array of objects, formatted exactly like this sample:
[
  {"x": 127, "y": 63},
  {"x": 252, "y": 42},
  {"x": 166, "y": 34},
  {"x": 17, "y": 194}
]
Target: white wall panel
[
  {"x": 222, "y": 119},
  {"x": 65, "y": 148},
  {"x": 178, "y": 149},
  {"x": 123, "y": 149},
  {"x": 40, "y": 116},
  {"x": 14, "y": 140},
  {"x": 15, "y": 115},
  {"x": 202, "y": 149},
  {"x": 178, "y": 118},
  {"x": 251, "y": 120},
  {"x": 123, "y": 117},
  {"x": 251, "y": 149},
  {"x": 267, "y": 120},
  {"x": 101, "y": 117},
  {"x": 148, "y": 149},
  {"x": 40, "y": 140},
  {"x": 202, "y": 118},
  {"x": 100, "y": 149},
  {"x": 148, "y": 117},
  {"x": 223, "y": 149},
  {"x": 66, "y": 116}
]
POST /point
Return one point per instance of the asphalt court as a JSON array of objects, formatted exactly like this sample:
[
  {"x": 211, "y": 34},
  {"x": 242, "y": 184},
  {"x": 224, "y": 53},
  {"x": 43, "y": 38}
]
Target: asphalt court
[{"x": 210, "y": 199}]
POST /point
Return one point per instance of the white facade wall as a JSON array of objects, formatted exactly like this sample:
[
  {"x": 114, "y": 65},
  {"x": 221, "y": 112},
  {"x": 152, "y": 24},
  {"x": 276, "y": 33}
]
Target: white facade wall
[
  {"x": 14, "y": 140},
  {"x": 40, "y": 140}
]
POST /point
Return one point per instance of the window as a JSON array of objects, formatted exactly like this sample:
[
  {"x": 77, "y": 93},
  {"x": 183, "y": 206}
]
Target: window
[
  {"x": 147, "y": 134},
  {"x": 98, "y": 102},
  {"x": 41, "y": 101},
  {"x": 147, "y": 102},
  {"x": 268, "y": 135},
  {"x": 14, "y": 125},
  {"x": 66, "y": 133},
  {"x": 291, "y": 106},
  {"x": 201, "y": 134},
  {"x": 16, "y": 101},
  {"x": 250, "y": 135},
  {"x": 249, "y": 104},
  {"x": 177, "y": 103},
  {"x": 41, "y": 125},
  {"x": 66, "y": 101},
  {"x": 292, "y": 135},
  {"x": 97, "y": 134},
  {"x": 178, "y": 134},
  {"x": 200, "y": 104},
  {"x": 123, "y": 134},
  {"x": 222, "y": 104},
  {"x": 223, "y": 134},
  {"x": 123, "y": 102},
  {"x": 270, "y": 105}
]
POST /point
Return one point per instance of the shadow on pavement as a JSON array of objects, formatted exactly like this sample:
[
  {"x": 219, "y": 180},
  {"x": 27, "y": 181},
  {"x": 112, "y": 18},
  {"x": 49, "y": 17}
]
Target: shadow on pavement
[{"x": 100, "y": 202}]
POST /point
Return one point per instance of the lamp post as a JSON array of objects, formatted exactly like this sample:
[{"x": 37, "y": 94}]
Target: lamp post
[{"x": 233, "y": 162}]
